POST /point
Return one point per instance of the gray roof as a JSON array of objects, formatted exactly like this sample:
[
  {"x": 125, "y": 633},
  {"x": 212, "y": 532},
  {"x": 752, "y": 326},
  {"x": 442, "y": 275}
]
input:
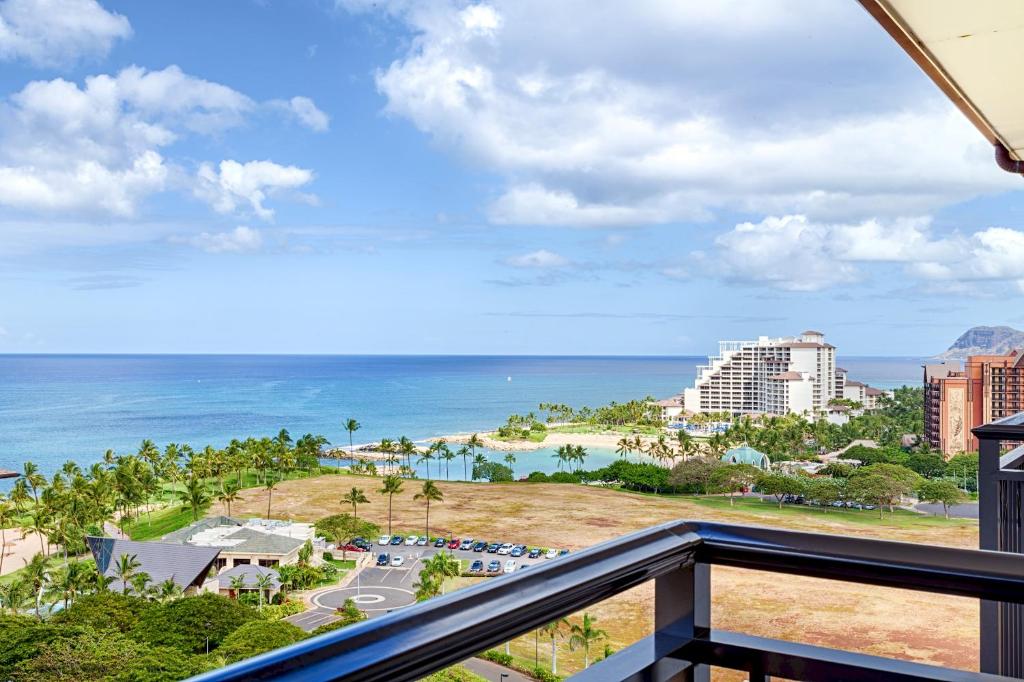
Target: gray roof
[
  {"x": 257, "y": 542},
  {"x": 250, "y": 572},
  {"x": 185, "y": 533},
  {"x": 185, "y": 564}
]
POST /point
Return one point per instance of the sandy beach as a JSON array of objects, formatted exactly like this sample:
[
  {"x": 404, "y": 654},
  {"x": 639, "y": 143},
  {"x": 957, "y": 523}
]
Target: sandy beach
[{"x": 609, "y": 440}]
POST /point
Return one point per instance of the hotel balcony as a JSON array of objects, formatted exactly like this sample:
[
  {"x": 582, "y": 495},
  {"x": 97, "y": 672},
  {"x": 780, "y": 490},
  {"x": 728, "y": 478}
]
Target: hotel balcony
[{"x": 685, "y": 644}]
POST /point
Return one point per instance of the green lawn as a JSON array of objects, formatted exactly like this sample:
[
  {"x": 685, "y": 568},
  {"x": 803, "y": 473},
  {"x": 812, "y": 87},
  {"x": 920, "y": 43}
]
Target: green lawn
[
  {"x": 343, "y": 564},
  {"x": 626, "y": 429},
  {"x": 901, "y": 518},
  {"x": 531, "y": 436},
  {"x": 164, "y": 521}
]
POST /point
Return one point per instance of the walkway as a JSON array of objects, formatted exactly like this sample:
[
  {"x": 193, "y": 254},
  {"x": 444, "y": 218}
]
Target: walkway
[
  {"x": 493, "y": 671},
  {"x": 968, "y": 510}
]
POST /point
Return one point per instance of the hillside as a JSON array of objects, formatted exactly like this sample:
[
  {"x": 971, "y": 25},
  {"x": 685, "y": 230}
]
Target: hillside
[{"x": 984, "y": 340}]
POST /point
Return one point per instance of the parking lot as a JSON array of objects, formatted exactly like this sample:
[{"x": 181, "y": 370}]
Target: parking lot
[{"x": 411, "y": 555}]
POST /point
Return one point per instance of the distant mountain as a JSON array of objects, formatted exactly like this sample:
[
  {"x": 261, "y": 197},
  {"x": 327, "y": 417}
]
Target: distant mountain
[{"x": 984, "y": 341}]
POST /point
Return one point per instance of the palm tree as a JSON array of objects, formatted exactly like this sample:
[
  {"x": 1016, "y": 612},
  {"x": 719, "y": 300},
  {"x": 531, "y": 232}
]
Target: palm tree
[
  {"x": 195, "y": 497},
  {"x": 269, "y": 486},
  {"x": 510, "y": 459},
  {"x": 125, "y": 568},
  {"x": 387, "y": 446},
  {"x": 12, "y": 596},
  {"x": 228, "y": 494},
  {"x": 625, "y": 447},
  {"x": 33, "y": 478},
  {"x": 560, "y": 455},
  {"x": 37, "y": 576},
  {"x": 426, "y": 456},
  {"x": 263, "y": 583},
  {"x": 429, "y": 492},
  {"x": 407, "y": 449},
  {"x": 6, "y": 519},
  {"x": 464, "y": 453},
  {"x": 447, "y": 455},
  {"x": 351, "y": 425},
  {"x": 478, "y": 460},
  {"x": 354, "y": 497},
  {"x": 236, "y": 585},
  {"x": 553, "y": 630},
  {"x": 391, "y": 486},
  {"x": 168, "y": 590},
  {"x": 585, "y": 634},
  {"x": 474, "y": 442}
]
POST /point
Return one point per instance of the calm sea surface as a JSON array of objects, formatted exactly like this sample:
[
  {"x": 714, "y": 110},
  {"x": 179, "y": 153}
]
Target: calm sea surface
[{"x": 59, "y": 407}]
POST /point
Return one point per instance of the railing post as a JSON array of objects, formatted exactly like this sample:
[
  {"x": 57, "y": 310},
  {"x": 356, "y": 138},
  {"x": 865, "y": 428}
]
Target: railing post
[{"x": 682, "y": 611}]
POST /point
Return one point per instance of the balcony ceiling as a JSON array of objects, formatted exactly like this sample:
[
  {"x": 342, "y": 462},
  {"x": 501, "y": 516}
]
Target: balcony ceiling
[{"x": 974, "y": 51}]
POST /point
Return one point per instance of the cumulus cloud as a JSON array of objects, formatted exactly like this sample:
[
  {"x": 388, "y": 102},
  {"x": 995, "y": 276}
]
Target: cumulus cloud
[
  {"x": 233, "y": 185},
  {"x": 58, "y": 32},
  {"x": 242, "y": 239},
  {"x": 795, "y": 253},
  {"x": 755, "y": 106},
  {"x": 305, "y": 111},
  {"x": 541, "y": 258}
]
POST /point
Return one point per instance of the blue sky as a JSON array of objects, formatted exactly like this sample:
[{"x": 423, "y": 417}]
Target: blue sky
[{"x": 509, "y": 177}]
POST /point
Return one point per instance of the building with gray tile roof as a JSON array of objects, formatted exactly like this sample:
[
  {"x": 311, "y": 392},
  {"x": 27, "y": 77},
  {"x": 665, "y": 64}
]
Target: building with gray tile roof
[
  {"x": 188, "y": 566},
  {"x": 254, "y": 542},
  {"x": 250, "y": 574}
]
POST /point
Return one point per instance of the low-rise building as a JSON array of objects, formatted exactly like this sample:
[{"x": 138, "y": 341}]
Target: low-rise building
[
  {"x": 189, "y": 567},
  {"x": 257, "y": 542},
  {"x": 745, "y": 454},
  {"x": 246, "y": 578},
  {"x": 671, "y": 408}
]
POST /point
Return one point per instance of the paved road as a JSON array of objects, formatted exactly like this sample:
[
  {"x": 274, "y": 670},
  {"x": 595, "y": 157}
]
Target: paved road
[
  {"x": 959, "y": 511},
  {"x": 493, "y": 671}
]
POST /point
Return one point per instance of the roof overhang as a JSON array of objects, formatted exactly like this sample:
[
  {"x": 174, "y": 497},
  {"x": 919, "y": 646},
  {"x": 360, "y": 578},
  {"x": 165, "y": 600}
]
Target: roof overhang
[{"x": 974, "y": 52}]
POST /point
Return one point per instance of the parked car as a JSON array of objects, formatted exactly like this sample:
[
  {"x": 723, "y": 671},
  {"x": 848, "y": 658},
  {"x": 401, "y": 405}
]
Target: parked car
[
  {"x": 383, "y": 559},
  {"x": 466, "y": 544},
  {"x": 494, "y": 566},
  {"x": 505, "y": 548},
  {"x": 518, "y": 550},
  {"x": 351, "y": 548},
  {"x": 440, "y": 542},
  {"x": 563, "y": 552},
  {"x": 551, "y": 554},
  {"x": 411, "y": 540},
  {"x": 456, "y": 544},
  {"x": 384, "y": 540},
  {"x": 493, "y": 547},
  {"x": 510, "y": 566},
  {"x": 476, "y": 567},
  {"x": 397, "y": 540},
  {"x": 366, "y": 545},
  {"x": 480, "y": 546},
  {"x": 534, "y": 553},
  {"x": 422, "y": 542},
  {"x": 397, "y": 560}
]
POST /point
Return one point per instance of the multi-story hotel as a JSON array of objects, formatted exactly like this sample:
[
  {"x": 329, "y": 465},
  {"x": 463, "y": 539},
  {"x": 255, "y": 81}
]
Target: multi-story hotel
[
  {"x": 772, "y": 376},
  {"x": 956, "y": 399}
]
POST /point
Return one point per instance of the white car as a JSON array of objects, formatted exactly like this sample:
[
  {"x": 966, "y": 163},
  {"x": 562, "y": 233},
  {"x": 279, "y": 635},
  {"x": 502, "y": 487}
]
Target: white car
[
  {"x": 551, "y": 554},
  {"x": 505, "y": 548},
  {"x": 411, "y": 540},
  {"x": 384, "y": 540},
  {"x": 397, "y": 560},
  {"x": 510, "y": 566},
  {"x": 422, "y": 542}
]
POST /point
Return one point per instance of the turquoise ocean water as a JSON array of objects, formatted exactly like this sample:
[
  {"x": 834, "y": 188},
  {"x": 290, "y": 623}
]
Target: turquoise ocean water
[{"x": 59, "y": 407}]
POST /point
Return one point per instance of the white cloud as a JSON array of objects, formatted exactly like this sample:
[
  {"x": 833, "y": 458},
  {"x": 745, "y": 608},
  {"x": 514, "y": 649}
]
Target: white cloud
[
  {"x": 233, "y": 185},
  {"x": 733, "y": 105},
  {"x": 305, "y": 111},
  {"x": 239, "y": 240},
  {"x": 541, "y": 258},
  {"x": 58, "y": 32}
]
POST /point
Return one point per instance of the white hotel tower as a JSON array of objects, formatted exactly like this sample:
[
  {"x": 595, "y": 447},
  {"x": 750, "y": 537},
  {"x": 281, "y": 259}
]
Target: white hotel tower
[{"x": 771, "y": 376}]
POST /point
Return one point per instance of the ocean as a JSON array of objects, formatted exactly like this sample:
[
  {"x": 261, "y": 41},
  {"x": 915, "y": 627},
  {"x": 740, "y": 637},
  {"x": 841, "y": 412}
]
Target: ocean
[{"x": 59, "y": 407}]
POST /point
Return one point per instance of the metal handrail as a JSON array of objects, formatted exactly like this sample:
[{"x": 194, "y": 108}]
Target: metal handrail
[{"x": 413, "y": 642}]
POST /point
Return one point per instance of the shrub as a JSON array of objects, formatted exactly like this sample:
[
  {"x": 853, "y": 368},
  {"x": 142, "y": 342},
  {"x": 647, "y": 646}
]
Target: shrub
[
  {"x": 456, "y": 673},
  {"x": 104, "y": 611},
  {"x": 537, "y": 477},
  {"x": 283, "y": 610},
  {"x": 564, "y": 477},
  {"x": 328, "y": 556},
  {"x": 22, "y": 638},
  {"x": 349, "y": 614},
  {"x": 498, "y": 657},
  {"x": 185, "y": 624},
  {"x": 544, "y": 675},
  {"x": 258, "y": 636}
]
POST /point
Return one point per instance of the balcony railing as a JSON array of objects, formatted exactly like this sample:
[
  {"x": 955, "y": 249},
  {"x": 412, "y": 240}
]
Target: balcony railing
[{"x": 416, "y": 641}]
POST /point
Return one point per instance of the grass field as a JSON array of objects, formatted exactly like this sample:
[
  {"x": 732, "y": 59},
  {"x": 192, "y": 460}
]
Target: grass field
[
  {"x": 861, "y": 618},
  {"x": 628, "y": 429},
  {"x": 159, "y": 523}
]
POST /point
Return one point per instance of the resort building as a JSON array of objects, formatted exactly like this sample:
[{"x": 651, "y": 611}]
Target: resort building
[
  {"x": 189, "y": 567},
  {"x": 769, "y": 375},
  {"x": 957, "y": 399},
  {"x": 257, "y": 542},
  {"x": 245, "y": 578},
  {"x": 671, "y": 408}
]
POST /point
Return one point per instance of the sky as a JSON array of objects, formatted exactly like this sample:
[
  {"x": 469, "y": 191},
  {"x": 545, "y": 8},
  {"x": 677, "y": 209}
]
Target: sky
[{"x": 507, "y": 177}]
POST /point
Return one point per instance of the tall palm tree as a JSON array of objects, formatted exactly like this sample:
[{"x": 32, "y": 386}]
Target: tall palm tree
[
  {"x": 429, "y": 492},
  {"x": 387, "y": 446},
  {"x": 560, "y": 455},
  {"x": 125, "y": 568},
  {"x": 478, "y": 460},
  {"x": 227, "y": 495},
  {"x": 447, "y": 455},
  {"x": 407, "y": 449},
  {"x": 269, "y": 486},
  {"x": 583, "y": 635},
  {"x": 354, "y": 497},
  {"x": 554, "y": 630},
  {"x": 351, "y": 425},
  {"x": 263, "y": 583},
  {"x": 625, "y": 447},
  {"x": 464, "y": 453},
  {"x": 474, "y": 442},
  {"x": 37, "y": 576},
  {"x": 195, "y": 497},
  {"x": 34, "y": 479},
  {"x": 510, "y": 459},
  {"x": 390, "y": 486},
  {"x": 13, "y": 596}
]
